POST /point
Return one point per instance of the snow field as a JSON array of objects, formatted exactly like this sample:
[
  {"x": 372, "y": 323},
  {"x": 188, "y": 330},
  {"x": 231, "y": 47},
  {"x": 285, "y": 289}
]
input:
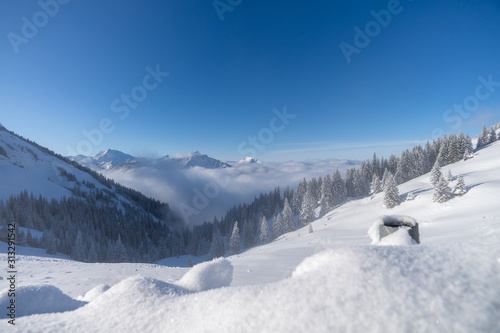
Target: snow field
[{"x": 329, "y": 281}]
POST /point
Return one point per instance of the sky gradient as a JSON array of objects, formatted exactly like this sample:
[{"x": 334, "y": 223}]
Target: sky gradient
[{"x": 237, "y": 78}]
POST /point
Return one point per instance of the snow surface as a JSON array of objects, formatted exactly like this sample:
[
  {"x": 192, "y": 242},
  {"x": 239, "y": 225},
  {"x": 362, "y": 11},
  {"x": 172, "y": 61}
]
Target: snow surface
[{"x": 331, "y": 280}]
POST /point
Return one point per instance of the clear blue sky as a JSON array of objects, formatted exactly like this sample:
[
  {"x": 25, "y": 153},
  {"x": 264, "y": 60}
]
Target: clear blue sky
[{"x": 226, "y": 76}]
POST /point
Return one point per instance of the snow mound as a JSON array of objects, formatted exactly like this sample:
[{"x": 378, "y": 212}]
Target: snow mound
[
  {"x": 31, "y": 300},
  {"x": 135, "y": 291},
  {"x": 94, "y": 293},
  {"x": 208, "y": 275},
  {"x": 400, "y": 237}
]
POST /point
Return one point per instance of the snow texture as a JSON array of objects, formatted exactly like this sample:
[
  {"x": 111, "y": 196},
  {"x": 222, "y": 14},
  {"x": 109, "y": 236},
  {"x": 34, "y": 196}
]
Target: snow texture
[
  {"x": 208, "y": 275},
  {"x": 31, "y": 300}
]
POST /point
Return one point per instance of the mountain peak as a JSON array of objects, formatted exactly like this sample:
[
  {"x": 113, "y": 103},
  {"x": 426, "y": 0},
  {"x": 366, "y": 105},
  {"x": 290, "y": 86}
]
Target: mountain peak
[{"x": 249, "y": 159}]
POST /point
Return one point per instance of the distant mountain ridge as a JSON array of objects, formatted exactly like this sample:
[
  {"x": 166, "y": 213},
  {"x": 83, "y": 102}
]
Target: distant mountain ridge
[{"x": 110, "y": 159}]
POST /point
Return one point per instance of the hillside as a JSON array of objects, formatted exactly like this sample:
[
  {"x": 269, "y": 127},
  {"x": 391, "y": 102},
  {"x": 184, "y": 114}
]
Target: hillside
[
  {"x": 329, "y": 280},
  {"x": 47, "y": 193}
]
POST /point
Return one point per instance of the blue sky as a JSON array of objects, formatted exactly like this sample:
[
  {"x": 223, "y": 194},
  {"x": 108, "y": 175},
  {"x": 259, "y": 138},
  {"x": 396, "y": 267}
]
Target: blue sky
[{"x": 69, "y": 68}]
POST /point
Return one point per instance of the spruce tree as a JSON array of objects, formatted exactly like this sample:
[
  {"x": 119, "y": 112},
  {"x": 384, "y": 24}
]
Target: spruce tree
[
  {"x": 460, "y": 188},
  {"x": 288, "y": 221},
  {"x": 376, "y": 186},
  {"x": 310, "y": 228},
  {"x": 79, "y": 247},
  {"x": 436, "y": 173},
  {"x": 391, "y": 193},
  {"x": 234, "y": 241},
  {"x": 278, "y": 226},
  {"x": 264, "y": 235},
  {"x": 217, "y": 247},
  {"x": 326, "y": 195},
  {"x": 51, "y": 243},
  {"x": 120, "y": 250},
  {"x": 307, "y": 210},
  {"x": 339, "y": 189},
  {"x": 442, "y": 191}
]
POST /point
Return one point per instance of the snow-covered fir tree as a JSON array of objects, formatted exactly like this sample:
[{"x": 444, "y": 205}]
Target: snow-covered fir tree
[
  {"x": 327, "y": 202},
  {"x": 234, "y": 241},
  {"x": 391, "y": 193},
  {"x": 442, "y": 191},
  {"x": 460, "y": 188},
  {"x": 339, "y": 189},
  {"x": 264, "y": 234},
  {"x": 217, "y": 248},
  {"x": 376, "y": 186},
  {"x": 436, "y": 173},
  {"x": 449, "y": 176},
  {"x": 288, "y": 221},
  {"x": 278, "y": 226},
  {"x": 306, "y": 214},
  {"x": 51, "y": 243},
  {"x": 310, "y": 228},
  {"x": 298, "y": 196},
  {"x": 468, "y": 154},
  {"x": 79, "y": 248}
]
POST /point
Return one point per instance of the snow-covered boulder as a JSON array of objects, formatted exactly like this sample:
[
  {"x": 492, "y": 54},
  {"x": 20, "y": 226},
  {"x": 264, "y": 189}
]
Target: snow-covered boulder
[{"x": 394, "y": 230}]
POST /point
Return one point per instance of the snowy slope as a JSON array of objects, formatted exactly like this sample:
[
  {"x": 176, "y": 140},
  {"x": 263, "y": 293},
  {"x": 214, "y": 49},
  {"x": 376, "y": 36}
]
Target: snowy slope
[
  {"x": 27, "y": 168},
  {"x": 329, "y": 281}
]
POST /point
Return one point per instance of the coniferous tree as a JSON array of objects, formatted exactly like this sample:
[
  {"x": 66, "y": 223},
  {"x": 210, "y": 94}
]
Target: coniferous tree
[
  {"x": 288, "y": 221},
  {"x": 314, "y": 190},
  {"x": 307, "y": 210},
  {"x": 264, "y": 235},
  {"x": 310, "y": 228},
  {"x": 483, "y": 138},
  {"x": 51, "y": 243},
  {"x": 217, "y": 247},
  {"x": 449, "y": 176},
  {"x": 339, "y": 190},
  {"x": 376, "y": 186},
  {"x": 327, "y": 202},
  {"x": 234, "y": 241},
  {"x": 442, "y": 191},
  {"x": 79, "y": 247},
  {"x": 278, "y": 226},
  {"x": 436, "y": 173},
  {"x": 29, "y": 239},
  {"x": 391, "y": 193},
  {"x": 460, "y": 188},
  {"x": 120, "y": 250},
  {"x": 468, "y": 154},
  {"x": 298, "y": 196}
]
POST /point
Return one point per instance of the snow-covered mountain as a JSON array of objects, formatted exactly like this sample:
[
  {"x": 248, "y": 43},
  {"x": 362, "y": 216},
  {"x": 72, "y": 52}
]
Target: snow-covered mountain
[
  {"x": 109, "y": 159},
  {"x": 249, "y": 159},
  {"x": 105, "y": 159},
  {"x": 330, "y": 280},
  {"x": 27, "y": 167},
  {"x": 179, "y": 179}
]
